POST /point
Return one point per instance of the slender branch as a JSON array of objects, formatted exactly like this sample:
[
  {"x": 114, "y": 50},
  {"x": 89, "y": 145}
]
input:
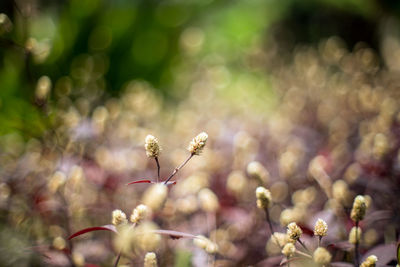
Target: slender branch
[
  {"x": 357, "y": 257},
  {"x": 117, "y": 259},
  {"x": 271, "y": 228},
  {"x": 303, "y": 254},
  {"x": 303, "y": 245},
  {"x": 178, "y": 168},
  {"x": 319, "y": 240},
  {"x": 158, "y": 169}
]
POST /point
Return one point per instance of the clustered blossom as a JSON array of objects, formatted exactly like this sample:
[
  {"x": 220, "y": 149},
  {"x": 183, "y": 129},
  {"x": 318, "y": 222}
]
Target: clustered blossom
[
  {"x": 263, "y": 197},
  {"x": 197, "y": 144},
  {"x": 322, "y": 256},
  {"x": 150, "y": 260},
  {"x": 206, "y": 244},
  {"x": 152, "y": 147},
  {"x": 294, "y": 232},
  {"x": 139, "y": 213},
  {"x": 370, "y": 261},
  {"x": 320, "y": 228},
  {"x": 359, "y": 208},
  {"x": 288, "y": 250},
  {"x": 119, "y": 217}
]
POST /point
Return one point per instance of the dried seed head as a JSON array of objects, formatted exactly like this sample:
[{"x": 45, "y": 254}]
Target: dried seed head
[
  {"x": 119, "y": 217},
  {"x": 322, "y": 256},
  {"x": 154, "y": 197},
  {"x": 353, "y": 238},
  {"x": 197, "y": 144},
  {"x": 150, "y": 260},
  {"x": 263, "y": 197},
  {"x": 256, "y": 170},
  {"x": 370, "y": 261},
  {"x": 206, "y": 244},
  {"x": 293, "y": 231},
  {"x": 359, "y": 208},
  {"x": 288, "y": 250},
  {"x": 152, "y": 147},
  {"x": 320, "y": 228},
  {"x": 139, "y": 213}
]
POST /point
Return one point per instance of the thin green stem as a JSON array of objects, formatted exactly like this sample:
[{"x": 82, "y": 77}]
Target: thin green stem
[
  {"x": 303, "y": 245},
  {"x": 271, "y": 228},
  {"x": 178, "y": 168}
]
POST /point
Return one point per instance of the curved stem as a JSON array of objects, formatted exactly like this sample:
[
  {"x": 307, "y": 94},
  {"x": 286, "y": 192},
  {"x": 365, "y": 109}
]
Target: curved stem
[
  {"x": 303, "y": 254},
  {"x": 178, "y": 168}
]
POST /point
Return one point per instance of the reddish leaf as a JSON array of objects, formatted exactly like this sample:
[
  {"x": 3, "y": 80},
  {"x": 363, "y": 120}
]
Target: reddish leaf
[
  {"x": 145, "y": 181},
  {"x": 140, "y": 182},
  {"x": 384, "y": 252},
  {"x": 108, "y": 227},
  {"x": 174, "y": 234}
]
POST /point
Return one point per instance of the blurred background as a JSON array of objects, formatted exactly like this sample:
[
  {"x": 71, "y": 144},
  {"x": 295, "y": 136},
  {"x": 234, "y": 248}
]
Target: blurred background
[{"x": 286, "y": 84}]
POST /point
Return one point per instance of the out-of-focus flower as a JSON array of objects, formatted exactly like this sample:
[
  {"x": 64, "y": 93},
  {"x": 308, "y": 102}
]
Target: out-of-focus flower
[
  {"x": 322, "y": 256},
  {"x": 353, "y": 238},
  {"x": 370, "y": 261},
  {"x": 288, "y": 250},
  {"x": 256, "y": 170},
  {"x": 206, "y": 244},
  {"x": 263, "y": 197},
  {"x": 154, "y": 197},
  {"x": 208, "y": 200}
]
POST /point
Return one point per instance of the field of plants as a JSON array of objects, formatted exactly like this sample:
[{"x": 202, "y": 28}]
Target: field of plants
[{"x": 199, "y": 133}]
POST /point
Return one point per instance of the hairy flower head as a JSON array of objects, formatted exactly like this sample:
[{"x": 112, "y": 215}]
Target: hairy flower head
[
  {"x": 118, "y": 217},
  {"x": 293, "y": 231},
  {"x": 197, "y": 144},
  {"x": 320, "y": 228},
  {"x": 139, "y": 213},
  {"x": 152, "y": 147},
  {"x": 150, "y": 260},
  {"x": 263, "y": 197},
  {"x": 359, "y": 208}
]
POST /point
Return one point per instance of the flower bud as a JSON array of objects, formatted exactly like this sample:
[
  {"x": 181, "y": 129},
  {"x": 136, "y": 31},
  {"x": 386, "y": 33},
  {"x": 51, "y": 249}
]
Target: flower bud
[
  {"x": 359, "y": 208},
  {"x": 256, "y": 170},
  {"x": 320, "y": 228},
  {"x": 155, "y": 196},
  {"x": 119, "y": 217},
  {"x": 293, "y": 231},
  {"x": 197, "y": 144},
  {"x": 152, "y": 147},
  {"x": 139, "y": 213}
]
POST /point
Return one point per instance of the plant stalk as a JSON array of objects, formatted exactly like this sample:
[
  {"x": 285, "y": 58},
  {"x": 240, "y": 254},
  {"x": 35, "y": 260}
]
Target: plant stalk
[{"x": 178, "y": 168}]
